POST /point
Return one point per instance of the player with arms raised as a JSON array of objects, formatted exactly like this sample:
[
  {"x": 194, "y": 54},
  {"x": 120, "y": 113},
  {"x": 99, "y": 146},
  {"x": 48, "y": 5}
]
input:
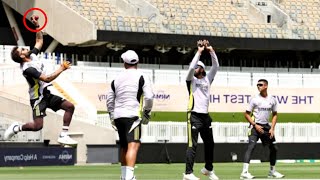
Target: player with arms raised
[{"x": 39, "y": 81}]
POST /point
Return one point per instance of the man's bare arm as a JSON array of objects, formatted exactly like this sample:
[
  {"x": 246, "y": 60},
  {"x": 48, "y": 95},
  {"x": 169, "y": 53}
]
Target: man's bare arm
[
  {"x": 55, "y": 74},
  {"x": 39, "y": 36},
  {"x": 39, "y": 40}
]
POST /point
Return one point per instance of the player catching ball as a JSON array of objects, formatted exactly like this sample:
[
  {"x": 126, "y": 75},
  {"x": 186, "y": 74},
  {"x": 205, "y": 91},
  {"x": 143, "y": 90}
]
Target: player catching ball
[{"x": 39, "y": 82}]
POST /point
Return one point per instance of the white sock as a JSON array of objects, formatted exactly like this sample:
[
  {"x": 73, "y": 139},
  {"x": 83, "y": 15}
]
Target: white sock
[
  {"x": 245, "y": 167},
  {"x": 272, "y": 168},
  {"x": 62, "y": 134},
  {"x": 65, "y": 128},
  {"x": 129, "y": 172},
  {"x": 123, "y": 172},
  {"x": 17, "y": 129}
]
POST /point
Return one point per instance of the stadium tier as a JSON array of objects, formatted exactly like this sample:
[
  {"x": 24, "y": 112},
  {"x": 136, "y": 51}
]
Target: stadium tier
[{"x": 228, "y": 18}]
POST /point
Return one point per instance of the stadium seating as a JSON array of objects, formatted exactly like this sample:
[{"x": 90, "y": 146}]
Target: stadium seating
[
  {"x": 107, "y": 17},
  {"x": 229, "y": 18},
  {"x": 307, "y": 16}
]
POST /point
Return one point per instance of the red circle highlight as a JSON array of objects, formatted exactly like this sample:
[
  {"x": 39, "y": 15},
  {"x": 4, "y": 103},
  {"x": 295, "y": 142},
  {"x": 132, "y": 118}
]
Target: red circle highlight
[{"x": 25, "y": 16}]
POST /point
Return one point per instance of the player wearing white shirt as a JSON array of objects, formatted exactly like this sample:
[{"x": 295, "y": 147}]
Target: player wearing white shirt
[
  {"x": 199, "y": 121},
  {"x": 40, "y": 97},
  {"x": 261, "y": 106},
  {"x": 125, "y": 102}
]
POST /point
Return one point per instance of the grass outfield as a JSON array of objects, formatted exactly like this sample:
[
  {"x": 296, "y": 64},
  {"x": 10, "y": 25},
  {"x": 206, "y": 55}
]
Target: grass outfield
[
  {"x": 155, "y": 171},
  {"x": 235, "y": 117}
]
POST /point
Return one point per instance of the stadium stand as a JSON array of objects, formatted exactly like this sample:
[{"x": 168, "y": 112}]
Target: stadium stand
[
  {"x": 228, "y": 18},
  {"x": 107, "y": 17},
  {"x": 306, "y": 15}
]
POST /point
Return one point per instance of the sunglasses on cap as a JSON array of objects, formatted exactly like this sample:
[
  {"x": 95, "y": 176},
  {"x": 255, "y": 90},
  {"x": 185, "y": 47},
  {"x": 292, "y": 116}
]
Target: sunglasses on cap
[{"x": 259, "y": 85}]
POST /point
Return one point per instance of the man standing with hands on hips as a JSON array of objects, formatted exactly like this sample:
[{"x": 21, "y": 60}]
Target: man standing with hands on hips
[{"x": 261, "y": 106}]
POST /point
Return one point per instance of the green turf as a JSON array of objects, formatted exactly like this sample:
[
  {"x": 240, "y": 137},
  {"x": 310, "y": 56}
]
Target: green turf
[
  {"x": 155, "y": 171},
  {"x": 234, "y": 117}
]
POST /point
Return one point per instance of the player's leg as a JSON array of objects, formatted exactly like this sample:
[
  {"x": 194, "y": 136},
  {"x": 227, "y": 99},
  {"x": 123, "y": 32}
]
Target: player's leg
[
  {"x": 132, "y": 140},
  {"x": 68, "y": 107},
  {"x": 207, "y": 137},
  {"x": 38, "y": 112},
  {"x": 271, "y": 142},
  {"x": 253, "y": 138},
  {"x": 194, "y": 123},
  {"x": 131, "y": 157},
  {"x": 36, "y": 125},
  {"x": 55, "y": 103},
  {"x": 122, "y": 132}
]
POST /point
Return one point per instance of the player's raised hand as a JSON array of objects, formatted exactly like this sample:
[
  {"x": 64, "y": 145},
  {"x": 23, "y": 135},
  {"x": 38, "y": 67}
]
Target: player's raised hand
[
  {"x": 200, "y": 46},
  {"x": 208, "y": 46},
  {"x": 34, "y": 19}
]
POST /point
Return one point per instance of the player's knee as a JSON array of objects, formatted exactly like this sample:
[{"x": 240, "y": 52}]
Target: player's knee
[{"x": 70, "y": 107}]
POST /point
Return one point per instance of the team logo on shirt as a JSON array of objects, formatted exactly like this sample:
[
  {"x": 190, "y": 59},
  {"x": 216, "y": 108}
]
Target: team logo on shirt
[
  {"x": 264, "y": 109},
  {"x": 203, "y": 87}
]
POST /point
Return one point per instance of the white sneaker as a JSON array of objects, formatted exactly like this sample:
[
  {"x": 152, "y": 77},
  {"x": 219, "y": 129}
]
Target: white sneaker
[
  {"x": 246, "y": 175},
  {"x": 66, "y": 140},
  {"x": 275, "y": 174},
  {"x": 190, "y": 177},
  {"x": 10, "y": 132},
  {"x": 210, "y": 174}
]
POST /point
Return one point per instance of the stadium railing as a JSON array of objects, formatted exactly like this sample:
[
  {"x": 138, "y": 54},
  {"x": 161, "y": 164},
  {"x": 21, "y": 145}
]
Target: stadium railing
[
  {"x": 174, "y": 132},
  {"x": 10, "y": 75}
]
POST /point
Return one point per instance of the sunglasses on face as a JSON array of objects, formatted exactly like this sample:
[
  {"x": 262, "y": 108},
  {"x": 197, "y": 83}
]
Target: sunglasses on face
[{"x": 259, "y": 85}]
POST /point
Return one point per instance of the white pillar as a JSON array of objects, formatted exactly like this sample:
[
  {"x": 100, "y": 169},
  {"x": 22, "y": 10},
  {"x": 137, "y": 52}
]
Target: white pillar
[
  {"x": 53, "y": 45},
  {"x": 13, "y": 25}
]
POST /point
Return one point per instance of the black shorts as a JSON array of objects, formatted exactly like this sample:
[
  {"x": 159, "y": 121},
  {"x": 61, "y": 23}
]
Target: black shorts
[
  {"x": 200, "y": 120},
  {"x": 124, "y": 125},
  {"x": 265, "y": 137},
  {"x": 48, "y": 101}
]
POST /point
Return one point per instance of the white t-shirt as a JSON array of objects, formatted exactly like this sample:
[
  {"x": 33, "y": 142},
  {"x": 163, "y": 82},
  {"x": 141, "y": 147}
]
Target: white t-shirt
[
  {"x": 199, "y": 89},
  {"x": 262, "y": 108},
  {"x": 31, "y": 71},
  {"x": 124, "y": 98}
]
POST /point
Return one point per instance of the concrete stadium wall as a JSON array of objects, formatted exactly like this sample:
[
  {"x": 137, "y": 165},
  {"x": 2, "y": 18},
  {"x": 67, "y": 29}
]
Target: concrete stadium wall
[
  {"x": 19, "y": 109},
  {"x": 64, "y": 24}
]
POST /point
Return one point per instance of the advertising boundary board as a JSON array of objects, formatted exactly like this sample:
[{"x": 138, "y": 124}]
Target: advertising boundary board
[{"x": 37, "y": 156}]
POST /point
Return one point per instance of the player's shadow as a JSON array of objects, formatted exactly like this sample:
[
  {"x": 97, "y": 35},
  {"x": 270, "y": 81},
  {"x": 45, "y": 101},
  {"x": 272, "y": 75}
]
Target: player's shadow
[{"x": 262, "y": 177}]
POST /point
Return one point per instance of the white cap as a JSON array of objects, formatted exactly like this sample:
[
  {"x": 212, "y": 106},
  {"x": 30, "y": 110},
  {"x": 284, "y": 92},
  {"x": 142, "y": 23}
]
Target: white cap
[
  {"x": 201, "y": 64},
  {"x": 130, "y": 57}
]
